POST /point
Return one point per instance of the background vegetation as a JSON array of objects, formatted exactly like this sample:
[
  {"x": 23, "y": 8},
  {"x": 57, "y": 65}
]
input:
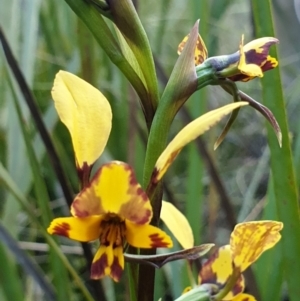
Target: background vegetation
[{"x": 249, "y": 177}]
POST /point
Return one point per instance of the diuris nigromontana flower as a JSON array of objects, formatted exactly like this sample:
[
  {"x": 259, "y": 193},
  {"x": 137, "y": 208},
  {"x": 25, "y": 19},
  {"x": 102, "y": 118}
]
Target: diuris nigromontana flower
[{"x": 112, "y": 207}]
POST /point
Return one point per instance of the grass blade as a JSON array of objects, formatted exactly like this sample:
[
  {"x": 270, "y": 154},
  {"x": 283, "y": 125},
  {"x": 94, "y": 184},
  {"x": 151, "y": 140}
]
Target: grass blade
[{"x": 281, "y": 159}]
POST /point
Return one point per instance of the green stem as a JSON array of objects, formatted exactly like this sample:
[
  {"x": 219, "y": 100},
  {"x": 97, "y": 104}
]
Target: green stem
[
  {"x": 231, "y": 282},
  {"x": 158, "y": 136},
  {"x": 163, "y": 118}
]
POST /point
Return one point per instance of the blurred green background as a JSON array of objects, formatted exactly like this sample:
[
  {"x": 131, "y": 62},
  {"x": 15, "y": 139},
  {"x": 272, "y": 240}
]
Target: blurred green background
[{"x": 215, "y": 189}]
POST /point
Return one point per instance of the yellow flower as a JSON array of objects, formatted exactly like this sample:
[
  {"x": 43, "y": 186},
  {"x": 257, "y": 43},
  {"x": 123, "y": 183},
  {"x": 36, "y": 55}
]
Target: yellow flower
[
  {"x": 112, "y": 207},
  {"x": 249, "y": 62},
  {"x": 224, "y": 268}
]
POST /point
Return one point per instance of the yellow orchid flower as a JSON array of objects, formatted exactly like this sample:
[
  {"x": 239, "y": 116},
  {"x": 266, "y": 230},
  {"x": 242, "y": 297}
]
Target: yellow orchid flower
[
  {"x": 224, "y": 268},
  {"x": 251, "y": 61},
  {"x": 112, "y": 207}
]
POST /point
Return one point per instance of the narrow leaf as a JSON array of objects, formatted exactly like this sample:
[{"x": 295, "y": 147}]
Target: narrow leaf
[{"x": 30, "y": 267}]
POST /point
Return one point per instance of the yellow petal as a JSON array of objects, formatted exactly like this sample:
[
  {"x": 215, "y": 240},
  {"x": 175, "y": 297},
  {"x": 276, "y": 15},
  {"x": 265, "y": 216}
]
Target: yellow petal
[
  {"x": 261, "y": 45},
  {"x": 177, "y": 224},
  {"x": 86, "y": 113},
  {"x": 270, "y": 63},
  {"x": 244, "y": 297},
  {"x": 200, "y": 50},
  {"x": 114, "y": 189},
  {"x": 251, "y": 70},
  {"x": 187, "y": 134},
  {"x": 249, "y": 240},
  {"x": 81, "y": 229},
  {"x": 146, "y": 236},
  {"x": 108, "y": 261},
  {"x": 218, "y": 268}
]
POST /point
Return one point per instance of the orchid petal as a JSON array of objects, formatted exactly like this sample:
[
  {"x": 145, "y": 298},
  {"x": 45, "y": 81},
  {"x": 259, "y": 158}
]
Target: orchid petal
[
  {"x": 108, "y": 261},
  {"x": 218, "y": 269},
  {"x": 146, "y": 236},
  {"x": 249, "y": 240},
  {"x": 178, "y": 224},
  {"x": 81, "y": 229},
  {"x": 114, "y": 189},
  {"x": 251, "y": 70},
  {"x": 86, "y": 113},
  {"x": 244, "y": 297},
  {"x": 187, "y": 134},
  {"x": 200, "y": 50},
  {"x": 261, "y": 46}
]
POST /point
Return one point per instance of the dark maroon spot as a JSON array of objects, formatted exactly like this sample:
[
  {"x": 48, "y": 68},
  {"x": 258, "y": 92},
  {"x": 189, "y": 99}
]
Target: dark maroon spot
[
  {"x": 62, "y": 229},
  {"x": 142, "y": 194},
  {"x": 116, "y": 269},
  {"x": 157, "y": 241},
  {"x": 84, "y": 174},
  {"x": 206, "y": 273},
  {"x": 98, "y": 267},
  {"x": 132, "y": 179},
  {"x": 268, "y": 65},
  {"x": 253, "y": 57},
  {"x": 154, "y": 175},
  {"x": 238, "y": 287}
]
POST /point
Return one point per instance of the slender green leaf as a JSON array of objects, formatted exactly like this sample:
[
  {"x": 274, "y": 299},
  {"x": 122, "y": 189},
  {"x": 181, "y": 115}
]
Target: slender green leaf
[{"x": 281, "y": 159}]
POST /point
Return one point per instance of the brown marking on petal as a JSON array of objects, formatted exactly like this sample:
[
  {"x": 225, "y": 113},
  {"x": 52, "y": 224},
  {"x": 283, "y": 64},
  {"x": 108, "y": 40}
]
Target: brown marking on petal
[
  {"x": 258, "y": 55},
  {"x": 98, "y": 267},
  {"x": 136, "y": 208},
  {"x": 142, "y": 194},
  {"x": 239, "y": 286},
  {"x": 154, "y": 175},
  {"x": 200, "y": 49},
  {"x": 62, "y": 229},
  {"x": 116, "y": 269},
  {"x": 87, "y": 203},
  {"x": 135, "y": 212},
  {"x": 132, "y": 180},
  {"x": 158, "y": 241},
  {"x": 135, "y": 187},
  {"x": 254, "y": 57},
  {"x": 206, "y": 274},
  {"x": 271, "y": 63},
  {"x": 161, "y": 169},
  {"x": 249, "y": 240}
]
